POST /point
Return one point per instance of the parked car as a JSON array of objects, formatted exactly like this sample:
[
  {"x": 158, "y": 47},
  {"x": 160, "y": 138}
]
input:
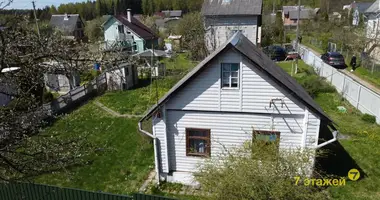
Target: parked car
[
  {"x": 288, "y": 47},
  {"x": 334, "y": 59},
  {"x": 276, "y": 53},
  {"x": 292, "y": 55}
]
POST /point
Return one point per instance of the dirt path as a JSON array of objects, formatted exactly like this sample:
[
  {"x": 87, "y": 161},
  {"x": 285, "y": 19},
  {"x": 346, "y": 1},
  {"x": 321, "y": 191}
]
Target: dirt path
[{"x": 114, "y": 113}]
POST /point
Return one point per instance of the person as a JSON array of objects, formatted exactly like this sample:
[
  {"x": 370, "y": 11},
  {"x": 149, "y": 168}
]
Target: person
[{"x": 353, "y": 63}]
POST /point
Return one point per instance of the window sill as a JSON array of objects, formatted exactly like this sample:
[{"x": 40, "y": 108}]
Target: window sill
[
  {"x": 197, "y": 155},
  {"x": 227, "y": 88}
]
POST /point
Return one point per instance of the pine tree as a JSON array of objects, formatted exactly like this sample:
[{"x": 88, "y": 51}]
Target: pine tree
[{"x": 99, "y": 8}]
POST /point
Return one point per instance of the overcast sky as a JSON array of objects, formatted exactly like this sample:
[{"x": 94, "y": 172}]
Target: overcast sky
[{"x": 27, "y": 4}]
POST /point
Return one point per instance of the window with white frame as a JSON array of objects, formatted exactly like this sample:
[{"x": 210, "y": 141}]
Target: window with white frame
[{"x": 230, "y": 75}]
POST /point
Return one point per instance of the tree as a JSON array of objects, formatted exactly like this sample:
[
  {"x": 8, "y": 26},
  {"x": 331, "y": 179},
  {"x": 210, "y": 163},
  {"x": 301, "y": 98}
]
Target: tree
[
  {"x": 192, "y": 30},
  {"x": 259, "y": 170},
  {"x": 93, "y": 29}
]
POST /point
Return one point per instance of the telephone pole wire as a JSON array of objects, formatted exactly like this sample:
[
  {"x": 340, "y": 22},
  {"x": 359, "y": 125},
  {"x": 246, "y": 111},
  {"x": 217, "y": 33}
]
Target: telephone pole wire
[{"x": 35, "y": 17}]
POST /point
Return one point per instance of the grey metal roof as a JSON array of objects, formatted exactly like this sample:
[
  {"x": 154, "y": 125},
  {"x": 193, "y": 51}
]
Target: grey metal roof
[
  {"x": 58, "y": 21},
  {"x": 286, "y": 9},
  {"x": 374, "y": 8},
  {"x": 362, "y": 7},
  {"x": 149, "y": 53},
  {"x": 232, "y": 7},
  {"x": 304, "y": 14},
  {"x": 172, "y": 13},
  {"x": 259, "y": 60}
]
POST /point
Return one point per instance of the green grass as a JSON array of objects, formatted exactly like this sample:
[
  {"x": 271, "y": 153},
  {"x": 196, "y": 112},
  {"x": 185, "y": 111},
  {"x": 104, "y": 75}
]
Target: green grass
[
  {"x": 365, "y": 74},
  {"x": 363, "y": 146},
  {"x": 122, "y": 165}
]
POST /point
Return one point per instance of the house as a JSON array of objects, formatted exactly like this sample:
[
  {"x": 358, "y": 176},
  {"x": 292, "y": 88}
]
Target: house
[
  {"x": 122, "y": 77},
  {"x": 126, "y": 32},
  {"x": 57, "y": 79},
  {"x": 8, "y": 88},
  {"x": 223, "y": 18},
  {"x": 71, "y": 25},
  {"x": 357, "y": 10},
  {"x": 290, "y": 15},
  {"x": 217, "y": 105},
  {"x": 372, "y": 30}
]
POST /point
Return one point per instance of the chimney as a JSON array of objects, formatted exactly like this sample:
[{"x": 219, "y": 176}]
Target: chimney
[
  {"x": 66, "y": 17},
  {"x": 129, "y": 15}
]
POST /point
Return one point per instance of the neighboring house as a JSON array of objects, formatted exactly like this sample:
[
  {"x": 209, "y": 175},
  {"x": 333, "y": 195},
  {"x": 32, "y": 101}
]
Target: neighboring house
[
  {"x": 358, "y": 10},
  {"x": 373, "y": 30},
  {"x": 234, "y": 91},
  {"x": 8, "y": 89},
  {"x": 290, "y": 15},
  {"x": 223, "y": 18},
  {"x": 71, "y": 25},
  {"x": 123, "y": 77},
  {"x": 126, "y": 32},
  {"x": 57, "y": 80},
  {"x": 172, "y": 13}
]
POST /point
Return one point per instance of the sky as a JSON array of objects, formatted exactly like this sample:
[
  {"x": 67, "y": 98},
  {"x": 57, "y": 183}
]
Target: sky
[{"x": 27, "y": 4}]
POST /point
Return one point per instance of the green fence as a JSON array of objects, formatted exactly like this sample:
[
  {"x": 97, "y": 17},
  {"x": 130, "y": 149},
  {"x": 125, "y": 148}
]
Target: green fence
[{"x": 29, "y": 191}]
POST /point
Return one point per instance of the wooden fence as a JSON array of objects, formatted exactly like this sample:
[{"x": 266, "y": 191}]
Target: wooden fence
[
  {"x": 77, "y": 96},
  {"x": 29, "y": 191}
]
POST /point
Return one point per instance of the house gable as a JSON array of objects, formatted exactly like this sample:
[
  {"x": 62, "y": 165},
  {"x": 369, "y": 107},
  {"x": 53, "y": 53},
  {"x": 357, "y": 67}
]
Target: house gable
[
  {"x": 254, "y": 95},
  {"x": 111, "y": 29}
]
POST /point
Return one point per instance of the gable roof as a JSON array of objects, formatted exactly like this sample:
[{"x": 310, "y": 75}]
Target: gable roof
[
  {"x": 261, "y": 61},
  {"x": 374, "y": 8},
  {"x": 58, "y": 21},
  {"x": 135, "y": 25},
  {"x": 172, "y": 13},
  {"x": 361, "y": 6},
  {"x": 304, "y": 14},
  {"x": 232, "y": 7},
  {"x": 287, "y": 9}
]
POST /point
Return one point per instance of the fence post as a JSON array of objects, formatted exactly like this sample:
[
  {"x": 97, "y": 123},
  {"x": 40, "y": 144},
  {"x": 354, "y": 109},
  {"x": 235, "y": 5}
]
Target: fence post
[
  {"x": 358, "y": 99},
  {"x": 373, "y": 66}
]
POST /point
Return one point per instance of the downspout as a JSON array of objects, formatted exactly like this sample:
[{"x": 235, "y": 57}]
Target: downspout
[
  {"x": 335, "y": 134},
  {"x": 155, "y": 151}
]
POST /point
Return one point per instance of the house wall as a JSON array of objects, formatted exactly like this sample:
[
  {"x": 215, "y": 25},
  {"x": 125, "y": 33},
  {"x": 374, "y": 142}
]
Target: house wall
[
  {"x": 220, "y": 29},
  {"x": 60, "y": 83},
  {"x": 373, "y": 33},
  {"x": 111, "y": 35},
  {"x": 121, "y": 78},
  {"x": 230, "y": 114}
]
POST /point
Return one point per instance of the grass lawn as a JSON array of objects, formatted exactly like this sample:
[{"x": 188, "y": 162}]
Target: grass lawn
[
  {"x": 366, "y": 75},
  {"x": 123, "y": 161},
  {"x": 363, "y": 146}
]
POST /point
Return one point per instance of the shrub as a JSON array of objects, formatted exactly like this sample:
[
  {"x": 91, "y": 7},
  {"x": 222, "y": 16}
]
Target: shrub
[
  {"x": 89, "y": 75},
  {"x": 264, "y": 174},
  {"x": 314, "y": 85},
  {"x": 369, "y": 118},
  {"x": 47, "y": 97}
]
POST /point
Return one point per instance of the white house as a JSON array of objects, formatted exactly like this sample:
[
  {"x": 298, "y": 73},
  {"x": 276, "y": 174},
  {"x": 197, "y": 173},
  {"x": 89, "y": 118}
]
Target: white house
[
  {"x": 372, "y": 29},
  {"x": 223, "y": 18},
  {"x": 218, "y": 104},
  {"x": 126, "y": 32},
  {"x": 122, "y": 77}
]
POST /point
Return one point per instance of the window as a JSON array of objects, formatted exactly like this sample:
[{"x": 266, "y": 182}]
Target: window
[
  {"x": 120, "y": 28},
  {"x": 230, "y": 75},
  {"x": 198, "y": 142},
  {"x": 266, "y": 136}
]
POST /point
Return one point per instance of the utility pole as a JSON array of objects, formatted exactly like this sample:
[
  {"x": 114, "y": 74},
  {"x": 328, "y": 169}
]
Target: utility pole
[
  {"x": 298, "y": 34},
  {"x": 35, "y": 17}
]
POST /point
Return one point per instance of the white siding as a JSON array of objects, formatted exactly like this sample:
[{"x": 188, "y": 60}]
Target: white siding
[
  {"x": 313, "y": 126},
  {"x": 159, "y": 130},
  {"x": 254, "y": 94},
  {"x": 231, "y": 130},
  {"x": 220, "y": 29}
]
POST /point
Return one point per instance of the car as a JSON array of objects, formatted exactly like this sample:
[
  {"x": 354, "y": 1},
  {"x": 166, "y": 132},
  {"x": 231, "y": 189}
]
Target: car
[
  {"x": 292, "y": 55},
  {"x": 334, "y": 59},
  {"x": 276, "y": 53}
]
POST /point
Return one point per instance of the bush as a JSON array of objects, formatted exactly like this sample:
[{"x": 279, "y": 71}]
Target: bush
[
  {"x": 89, "y": 75},
  {"x": 314, "y": 85},
  {"x": 264, "y": 174},
  {"x": 369, "y": 118},
  {"x": 47, "y": 97}
]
